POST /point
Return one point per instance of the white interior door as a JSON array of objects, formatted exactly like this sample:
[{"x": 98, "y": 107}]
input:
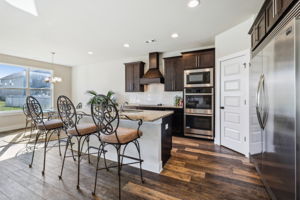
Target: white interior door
[{"x": 234, "y": 103}]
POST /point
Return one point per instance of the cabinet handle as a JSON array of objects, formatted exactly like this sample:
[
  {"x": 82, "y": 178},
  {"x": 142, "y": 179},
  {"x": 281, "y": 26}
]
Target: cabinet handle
[
  {"x": 274, "y": 2},
  {"x": 198, "y": 61},
  {"x": 275, "y": 7}
]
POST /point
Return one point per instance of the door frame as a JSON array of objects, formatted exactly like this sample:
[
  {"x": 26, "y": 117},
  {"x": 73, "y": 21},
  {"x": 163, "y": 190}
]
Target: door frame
[{"x": 218, "y": 96}]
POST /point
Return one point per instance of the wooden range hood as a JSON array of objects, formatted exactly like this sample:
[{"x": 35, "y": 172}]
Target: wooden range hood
[{"x": 153, "y": 75}]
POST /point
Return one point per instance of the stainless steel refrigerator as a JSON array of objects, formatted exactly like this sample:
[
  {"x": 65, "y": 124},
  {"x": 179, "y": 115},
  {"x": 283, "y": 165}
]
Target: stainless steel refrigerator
[{"x": 275, "y": 112}]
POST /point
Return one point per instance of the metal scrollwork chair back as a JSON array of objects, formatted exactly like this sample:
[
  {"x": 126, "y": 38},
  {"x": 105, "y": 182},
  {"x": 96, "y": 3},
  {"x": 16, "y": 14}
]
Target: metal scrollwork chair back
[
  {"x": 26, "y": 111},
  {"x": 105, "y": 115},
  {"x": 35, "y": 110},
  {"x": 67, "y": 112}
]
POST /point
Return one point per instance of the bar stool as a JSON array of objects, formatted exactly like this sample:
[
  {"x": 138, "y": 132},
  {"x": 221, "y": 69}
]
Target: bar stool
[
  {"x": 44, "y": 127},
  {"x": 73, "y": 129},
  {"x": 106, "y": 117}
]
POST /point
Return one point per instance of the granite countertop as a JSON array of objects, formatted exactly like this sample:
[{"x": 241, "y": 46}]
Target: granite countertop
[
  {"x": 153, "y": 106},
  {"x": 146, "y": 115}
]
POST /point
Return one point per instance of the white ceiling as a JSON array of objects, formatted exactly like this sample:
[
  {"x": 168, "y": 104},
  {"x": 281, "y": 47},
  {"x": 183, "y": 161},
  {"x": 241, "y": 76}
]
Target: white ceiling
[{"x": 71, "y": 28}]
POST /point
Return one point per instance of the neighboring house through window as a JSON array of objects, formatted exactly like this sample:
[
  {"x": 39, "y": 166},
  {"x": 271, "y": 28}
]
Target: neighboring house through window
[{"x": 17, "y": 82}]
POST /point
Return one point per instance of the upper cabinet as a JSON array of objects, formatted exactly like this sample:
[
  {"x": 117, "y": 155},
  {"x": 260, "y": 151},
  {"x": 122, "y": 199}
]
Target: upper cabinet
[
  {"x": 133, "y": 73},
  {"x": 173, "y": 74},
  {"x": 282, "y": 5},
  {"x": 269, "y": 15},
  {"x": 198, "y": 59}
]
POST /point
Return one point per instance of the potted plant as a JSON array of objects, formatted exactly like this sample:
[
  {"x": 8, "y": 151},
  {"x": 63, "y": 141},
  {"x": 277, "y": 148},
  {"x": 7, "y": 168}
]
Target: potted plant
[{"x": 110, "y": 94}]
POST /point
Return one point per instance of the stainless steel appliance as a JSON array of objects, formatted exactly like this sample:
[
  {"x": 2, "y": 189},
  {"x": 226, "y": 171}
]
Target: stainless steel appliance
[
  {"x": 199, "y": 100},
  {"x": 199, "y": 112},
  {"x": 199, "y": 125},
  {"x": 275, "y": 113},
  {"x": 199, "y": 78}
]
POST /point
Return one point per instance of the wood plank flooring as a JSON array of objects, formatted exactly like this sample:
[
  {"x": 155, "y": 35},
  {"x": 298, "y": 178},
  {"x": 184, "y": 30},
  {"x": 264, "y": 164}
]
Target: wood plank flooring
[{"x": 197, "y": 170}]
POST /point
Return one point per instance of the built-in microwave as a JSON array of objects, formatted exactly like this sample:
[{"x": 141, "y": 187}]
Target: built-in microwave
[{"x": 199, "y": 78}]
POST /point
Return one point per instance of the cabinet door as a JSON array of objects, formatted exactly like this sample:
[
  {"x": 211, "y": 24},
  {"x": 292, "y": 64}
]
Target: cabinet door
[
  {"x": 136, "y": 78},
  {"x": 282, "y": 5},
  {"x": 270, "y": 15},
  {"x": 169, "y": 74},
  {"x": 178, "y": 74},
  {"x": 261, "y": 27},
  {"x": 253, "y": 38},
  {"x": 177, "y": 125},
  {"x": 129, "y": 77},
  {"x": 190, "y": 60},
  {"x": 206, "y": 59}
]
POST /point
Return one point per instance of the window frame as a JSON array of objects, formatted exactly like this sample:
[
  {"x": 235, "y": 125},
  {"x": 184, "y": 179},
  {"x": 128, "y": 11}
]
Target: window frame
[{"x": 27, "y": 86}]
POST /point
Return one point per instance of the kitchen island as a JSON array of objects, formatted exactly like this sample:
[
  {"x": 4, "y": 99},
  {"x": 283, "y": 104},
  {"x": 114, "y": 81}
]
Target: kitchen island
[{"x": 155, "y": 143}]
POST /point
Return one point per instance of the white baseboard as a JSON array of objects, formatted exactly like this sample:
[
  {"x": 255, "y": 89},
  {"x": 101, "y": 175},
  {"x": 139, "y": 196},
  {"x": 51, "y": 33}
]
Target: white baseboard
[{"x": 11, "y": 128}]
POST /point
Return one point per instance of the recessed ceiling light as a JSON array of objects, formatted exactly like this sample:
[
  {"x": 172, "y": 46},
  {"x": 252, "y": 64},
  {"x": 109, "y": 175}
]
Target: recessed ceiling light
[
  {"x": 126, "y": 45},
  {"x": 90, "y": 53},
  {"x": 150, "y": 41},
  {"x": 175, "y": 35},
  {"x": 193, "y": 3}
]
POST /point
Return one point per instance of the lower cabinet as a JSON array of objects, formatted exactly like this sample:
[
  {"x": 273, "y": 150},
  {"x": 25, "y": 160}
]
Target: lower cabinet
[{"x": 166, "y": 139}]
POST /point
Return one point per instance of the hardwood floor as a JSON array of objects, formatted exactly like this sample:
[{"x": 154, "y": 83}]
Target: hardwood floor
[{"x": 197, "y": 170}]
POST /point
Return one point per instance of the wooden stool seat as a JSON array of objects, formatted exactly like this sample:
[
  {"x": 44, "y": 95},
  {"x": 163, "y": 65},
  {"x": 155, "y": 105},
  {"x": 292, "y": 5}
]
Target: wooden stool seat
[
  {"x": 83, "y": 129},
  {"x": 50, "y": 124},
  {"x": 125, "y": 135}
]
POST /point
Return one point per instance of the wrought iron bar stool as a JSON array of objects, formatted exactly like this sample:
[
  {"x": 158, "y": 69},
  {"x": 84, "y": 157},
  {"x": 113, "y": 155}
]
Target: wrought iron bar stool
[
  {"x": 106, "y": 117},
  {"x": 81, "y": 132},
  {"x": 45, "y": 127}
]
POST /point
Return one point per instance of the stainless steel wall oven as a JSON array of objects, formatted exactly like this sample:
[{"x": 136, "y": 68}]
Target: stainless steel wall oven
[{"x": 199, "y": 103}]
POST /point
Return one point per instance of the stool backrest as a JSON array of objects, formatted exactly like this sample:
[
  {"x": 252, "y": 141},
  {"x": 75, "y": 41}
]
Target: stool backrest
[
  {"x": 35, "y": 110},
  {"x": 105, "y": 115},
  {"x": 26, "y": 111},
  {"x": 67, "y": 112}
]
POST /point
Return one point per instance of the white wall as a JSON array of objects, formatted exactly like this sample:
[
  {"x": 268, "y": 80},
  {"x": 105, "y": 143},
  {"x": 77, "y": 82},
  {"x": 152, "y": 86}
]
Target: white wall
[
  {"x": 227, "y": 43},
  {"x": 16, "y": 120},
  {"x": 110, "y": 75}
]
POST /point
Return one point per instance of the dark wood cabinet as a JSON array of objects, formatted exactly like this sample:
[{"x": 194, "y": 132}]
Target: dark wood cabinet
[
  {"x": 254, "y": 37},
  {"x": 207, "y": 59},
  {"x": 198, "y": 59},
  {"x": 133, "y": 73},
  {"x": 270, "y": 14},
  {"x": 173, "y": 74},
  {"x": 190, "y": 60},
  {"x": 282, "y": 5},
  {"x": 261, "y": 27}
]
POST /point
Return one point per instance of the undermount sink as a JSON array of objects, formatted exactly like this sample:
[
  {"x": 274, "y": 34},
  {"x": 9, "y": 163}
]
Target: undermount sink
[{"x": 131, "y": 111}]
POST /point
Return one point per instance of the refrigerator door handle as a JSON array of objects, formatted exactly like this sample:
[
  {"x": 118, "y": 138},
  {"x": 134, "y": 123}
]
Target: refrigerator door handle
[
  {"x": 258, "y": 101},
  {"x": 265, "y": 104}
]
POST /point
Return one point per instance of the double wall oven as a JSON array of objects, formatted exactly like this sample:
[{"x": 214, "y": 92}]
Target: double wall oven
[{"x": 199, "y": 103}]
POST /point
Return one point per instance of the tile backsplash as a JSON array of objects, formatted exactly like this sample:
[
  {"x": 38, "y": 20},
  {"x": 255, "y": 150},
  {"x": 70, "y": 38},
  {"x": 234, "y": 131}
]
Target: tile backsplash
[{"x": 153, "y": 94}]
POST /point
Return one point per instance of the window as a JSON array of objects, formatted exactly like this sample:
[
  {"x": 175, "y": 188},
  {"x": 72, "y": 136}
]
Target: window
[{"x": 18, "y": 82}]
